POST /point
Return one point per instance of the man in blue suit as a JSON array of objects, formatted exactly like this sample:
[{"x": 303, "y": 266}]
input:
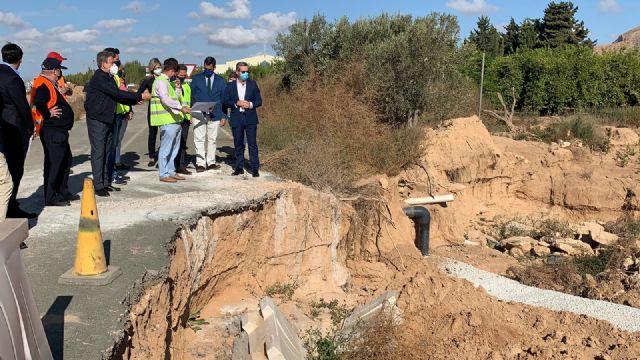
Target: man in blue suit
[
  {"x": 207, "y": 87},
  {"x": 243, "y": 98}
]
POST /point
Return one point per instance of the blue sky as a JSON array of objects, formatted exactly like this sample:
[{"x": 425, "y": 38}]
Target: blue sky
[{"x": 230, "y": 29}]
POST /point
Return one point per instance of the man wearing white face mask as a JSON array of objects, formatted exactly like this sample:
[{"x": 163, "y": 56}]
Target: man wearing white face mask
[{"x": 100, "y": 106}]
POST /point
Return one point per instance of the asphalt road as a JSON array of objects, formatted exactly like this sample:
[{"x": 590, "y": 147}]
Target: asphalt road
[{"x": 136, "y": 223}]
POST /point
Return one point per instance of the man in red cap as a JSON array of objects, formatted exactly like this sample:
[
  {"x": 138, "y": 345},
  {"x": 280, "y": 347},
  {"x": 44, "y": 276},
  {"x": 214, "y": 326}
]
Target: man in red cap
[{"x": 62, "y": 83}]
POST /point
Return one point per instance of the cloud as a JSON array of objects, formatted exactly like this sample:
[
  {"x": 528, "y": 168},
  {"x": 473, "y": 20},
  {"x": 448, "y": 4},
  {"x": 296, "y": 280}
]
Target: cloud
[
  {"x": 276, "y": 21},
  {"x": 609, "y": 7},
  {"x": 201, "y": 29},
  {"x": 238, "y": 36},
  {"x": 30, "y": 34},
  {"x": 143, "y": 50},
  {"x": 469, "y": 7},
  {"x": 194, "y": 15},
  {"x": 82, "y": 36},
  {"x": 116, "y": 24},
  {"x": 12, "y": 20},
  {"x": 236, "y": 9},
  {"x": 262, "y": 31},
  {"x": 138, "y": 7},
  {"x": 190, "y": 53},
  {"x": 150, "y": 40},
  {"x": 61, "y": 29},
  {"x": 98, "y": 48}
]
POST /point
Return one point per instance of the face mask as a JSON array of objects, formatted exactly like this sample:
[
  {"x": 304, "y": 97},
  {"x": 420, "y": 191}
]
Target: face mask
[
  {"x": 182, "y": 79},
  {"x": 208, "y": 72},
  {"x": 117, "y": 62},
  {"x": 173, "y": 78},
  {"x": 244, "y": 76},
  {"x": 157, "y": 72},
  {"x": 113, "y": 69}
]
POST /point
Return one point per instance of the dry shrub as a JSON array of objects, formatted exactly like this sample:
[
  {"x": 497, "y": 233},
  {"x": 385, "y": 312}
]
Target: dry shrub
[
  {"x": 381, "y": 338},
  {"x": 326, "y": 134},
  {"x": 76, "y": 101}
]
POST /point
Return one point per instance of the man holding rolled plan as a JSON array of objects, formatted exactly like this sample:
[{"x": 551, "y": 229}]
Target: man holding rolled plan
[{"x": 207, "y": 87}]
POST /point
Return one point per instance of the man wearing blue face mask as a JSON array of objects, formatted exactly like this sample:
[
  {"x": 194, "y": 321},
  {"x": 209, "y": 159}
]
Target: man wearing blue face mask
[
  {"x": 243, "y": 98},
  {"x": 207, "y": 87}
]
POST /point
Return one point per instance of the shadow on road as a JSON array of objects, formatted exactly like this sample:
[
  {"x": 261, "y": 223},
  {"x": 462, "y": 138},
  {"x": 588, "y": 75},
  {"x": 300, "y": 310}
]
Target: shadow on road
[{"x": 53, "y": 322}]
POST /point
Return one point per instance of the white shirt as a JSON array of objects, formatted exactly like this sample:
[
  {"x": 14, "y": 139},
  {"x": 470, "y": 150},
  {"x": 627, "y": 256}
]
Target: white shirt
[
  {"x": 163, "y": 93},
  {"x": 242, "y": 90}
]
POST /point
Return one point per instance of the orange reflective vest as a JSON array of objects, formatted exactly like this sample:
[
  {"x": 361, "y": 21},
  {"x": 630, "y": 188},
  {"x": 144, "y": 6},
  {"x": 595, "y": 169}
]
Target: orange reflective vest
[{"x": 53, "y": 98}]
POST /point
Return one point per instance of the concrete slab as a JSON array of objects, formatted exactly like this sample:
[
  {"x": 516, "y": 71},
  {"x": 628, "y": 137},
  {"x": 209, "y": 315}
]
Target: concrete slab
[
  {"x": 282, "y": 341},
  {"x": 252, "y": 324},
  {"x": 368, "y": 311},
  {"x": 71, "y": 278}
]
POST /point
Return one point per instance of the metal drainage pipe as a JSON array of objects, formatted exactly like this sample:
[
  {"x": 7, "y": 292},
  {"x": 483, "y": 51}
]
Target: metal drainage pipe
[{"x": 422, "y": 219}]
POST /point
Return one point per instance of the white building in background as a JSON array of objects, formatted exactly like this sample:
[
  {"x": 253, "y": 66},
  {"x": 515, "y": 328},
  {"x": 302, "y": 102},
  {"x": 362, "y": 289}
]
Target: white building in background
[{"x": 252, "y": 61}]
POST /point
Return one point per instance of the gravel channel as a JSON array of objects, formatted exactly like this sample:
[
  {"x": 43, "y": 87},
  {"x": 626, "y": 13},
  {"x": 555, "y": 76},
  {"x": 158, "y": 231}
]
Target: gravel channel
[{"x": 623, "y": 317}]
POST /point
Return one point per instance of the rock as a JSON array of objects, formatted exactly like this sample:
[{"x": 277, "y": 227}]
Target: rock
[
  {"x": 624, "y": 137},
  {"x": 594, "y": 234},
  {"x": 524, "y": 243},
  {"x": 573, "y": 247},
  {"x": 384, "y": 182},
  {"x": 456, "y": 188},
  {"x": 539, "y": 250},
  {"x": 565, "y": 144},
  {"x": 628, "y": 263},
  {"x": 516, "y": 252}
]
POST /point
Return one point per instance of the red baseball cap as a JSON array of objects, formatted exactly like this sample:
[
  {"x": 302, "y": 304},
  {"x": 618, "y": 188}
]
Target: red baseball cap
[{"x": 55, "y": 55}]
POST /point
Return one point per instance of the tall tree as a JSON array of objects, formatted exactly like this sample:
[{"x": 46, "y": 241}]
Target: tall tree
[
  {"x": 530, "y": 34},
  {"x": 486, "y": 37},
  {"x": 511, "y": 37},
  {"x": 560, "y": 27}
]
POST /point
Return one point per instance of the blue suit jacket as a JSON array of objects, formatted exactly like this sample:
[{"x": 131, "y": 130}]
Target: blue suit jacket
[
  {"x": 200, "y": 93},
  {"x": 252, "y": 94}
]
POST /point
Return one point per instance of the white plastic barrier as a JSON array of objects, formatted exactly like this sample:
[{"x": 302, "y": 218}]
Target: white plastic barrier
[{"x": 21, "y": 332}]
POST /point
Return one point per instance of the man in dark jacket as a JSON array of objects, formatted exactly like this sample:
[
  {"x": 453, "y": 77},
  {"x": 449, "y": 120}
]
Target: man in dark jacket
[
  {"x": 243, "y": 98},
  {"x": 17, "y": 124},
  {"x": 100, "y": 106},
  {"x": 54, "y": 135}
]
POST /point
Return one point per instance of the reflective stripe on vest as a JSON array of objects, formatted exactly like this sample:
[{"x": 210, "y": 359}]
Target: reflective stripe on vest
[
  {"x": 53, "y": 98},
  {"x": 121, "y": 109},
  {"x": 185, "y": 99},
  {"x": 159, "y": 113}
]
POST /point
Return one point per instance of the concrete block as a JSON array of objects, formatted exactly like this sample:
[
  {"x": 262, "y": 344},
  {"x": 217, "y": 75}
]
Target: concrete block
[
  {"x": 371, "y": 309},
  {"x": 282, "y": 341},
  {"x": 253, "y": 325},
  {"x": 240, "y": 350},
  {"x": 71, "y": 278}
]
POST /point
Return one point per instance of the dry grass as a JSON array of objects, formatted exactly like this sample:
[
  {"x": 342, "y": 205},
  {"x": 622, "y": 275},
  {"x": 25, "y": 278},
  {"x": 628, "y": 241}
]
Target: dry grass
[
  {"x": 77, "y": 102},
  {"x": 326, "y": 134}
]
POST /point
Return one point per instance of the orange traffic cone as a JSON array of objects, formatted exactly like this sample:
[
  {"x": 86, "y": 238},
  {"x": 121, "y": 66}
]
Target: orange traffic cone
[{"x": 90, "y": 267}]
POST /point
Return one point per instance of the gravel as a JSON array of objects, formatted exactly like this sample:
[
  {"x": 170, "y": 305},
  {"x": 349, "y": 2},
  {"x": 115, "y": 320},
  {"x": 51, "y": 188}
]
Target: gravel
[{"x": 623, "y": 317}]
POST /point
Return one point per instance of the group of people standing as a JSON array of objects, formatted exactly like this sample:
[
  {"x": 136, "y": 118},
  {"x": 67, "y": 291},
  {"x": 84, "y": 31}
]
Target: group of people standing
[{"x": 109, "y": 107}]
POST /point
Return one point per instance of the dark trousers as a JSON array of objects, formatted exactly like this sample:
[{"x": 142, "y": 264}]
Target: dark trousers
[
  {"x": 182, "y": 150},
  {"x": 111, "y": 152},
  {"x": 151, "y": 141},
  {"x": 15, "y": 151},
  {"x": 57, "y": 162},
  {"x": 239, "y": 132},
  {"x": 101, "y": 139}
]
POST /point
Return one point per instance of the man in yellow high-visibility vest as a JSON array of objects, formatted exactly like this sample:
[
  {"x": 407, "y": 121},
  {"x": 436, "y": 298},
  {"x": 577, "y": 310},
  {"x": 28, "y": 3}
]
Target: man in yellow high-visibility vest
[
  {"x": 181, "y": 82},
  {"x": 167, "y": 112}
]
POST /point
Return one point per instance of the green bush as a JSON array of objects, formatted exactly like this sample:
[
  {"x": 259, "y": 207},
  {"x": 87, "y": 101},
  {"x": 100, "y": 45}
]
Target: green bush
[
  {"x": 411, "y": 66},
  {"x": 553, "y": 81}
]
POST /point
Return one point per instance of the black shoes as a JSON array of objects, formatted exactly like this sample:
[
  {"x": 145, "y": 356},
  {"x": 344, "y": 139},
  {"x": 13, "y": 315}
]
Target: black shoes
[
  {"x": 120, "y": 181},
  {"x": 72, "y": 197},
  {"x": 183, "y": 170},
  {"x": 111, "y": 188},
  {"x": 200, "y": 169},
  {"x": 122, "y": 167},
  {"x": 213, "y": 167},
  {"x": 102, "y": 192},
  {"x": 21, "y": 214},
  {"x": 152, "y": 162},
  {"x": 255, "y": 173},
  {"x": 58, "y": 203},
  {"x": 237, "y": 172}
]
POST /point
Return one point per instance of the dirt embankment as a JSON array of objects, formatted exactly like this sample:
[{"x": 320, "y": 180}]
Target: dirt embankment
[{"x": 354, "y": 249}]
